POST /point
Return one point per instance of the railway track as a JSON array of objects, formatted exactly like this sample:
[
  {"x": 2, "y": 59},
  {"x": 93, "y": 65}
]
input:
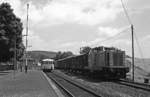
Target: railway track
[
  {"x": 71, "y": 88},
  {"x": 135, "y": 84}
]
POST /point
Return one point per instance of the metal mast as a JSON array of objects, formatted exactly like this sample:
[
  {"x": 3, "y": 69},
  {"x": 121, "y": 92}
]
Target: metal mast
[{"x": 26, "y": 40}]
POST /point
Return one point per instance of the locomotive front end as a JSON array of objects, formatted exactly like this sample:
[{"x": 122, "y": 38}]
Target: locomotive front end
[{"x": 108, "y": 62}]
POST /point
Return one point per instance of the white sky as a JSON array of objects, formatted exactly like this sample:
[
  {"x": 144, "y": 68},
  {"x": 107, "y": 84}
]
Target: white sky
[{"x": 62, "y": 25}]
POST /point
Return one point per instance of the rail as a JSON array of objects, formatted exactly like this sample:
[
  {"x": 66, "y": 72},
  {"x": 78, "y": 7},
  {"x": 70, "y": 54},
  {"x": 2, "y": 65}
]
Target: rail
[
  {"x": 135, "y": 84},
  {"x": 62, "y": 87},
  {"x": 77, "y": 85}
]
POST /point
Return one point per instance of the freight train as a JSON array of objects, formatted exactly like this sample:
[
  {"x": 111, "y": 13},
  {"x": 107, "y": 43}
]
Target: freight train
[{"x": 101, "y": 61}]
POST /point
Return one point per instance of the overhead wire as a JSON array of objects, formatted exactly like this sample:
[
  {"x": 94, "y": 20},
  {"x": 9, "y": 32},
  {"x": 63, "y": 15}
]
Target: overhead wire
[
  {"x": 130, "y": 22},
  {"x": 112, "y": 37},
  {"x": 126, "y": 13},
  {"x": 140, "y": 50},
  {"x": 128, "y": 18}
]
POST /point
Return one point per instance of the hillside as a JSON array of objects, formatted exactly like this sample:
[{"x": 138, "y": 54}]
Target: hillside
[
  {"x": 142, "y": 68},
  {"x": 41, "y": 54},
  {"x": 143, "y": 63}
]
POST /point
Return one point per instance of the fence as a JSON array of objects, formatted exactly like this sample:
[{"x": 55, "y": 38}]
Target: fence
[{"x": 6, "y": 67}]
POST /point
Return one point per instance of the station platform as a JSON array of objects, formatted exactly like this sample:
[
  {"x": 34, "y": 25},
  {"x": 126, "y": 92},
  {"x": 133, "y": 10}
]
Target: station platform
[{"x": 31, "y": 84}]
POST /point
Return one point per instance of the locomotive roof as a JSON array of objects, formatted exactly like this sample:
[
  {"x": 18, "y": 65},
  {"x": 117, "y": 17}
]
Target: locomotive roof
[
  {"x": 101, "y": 48},
  {"x": 112, "y": 49}
]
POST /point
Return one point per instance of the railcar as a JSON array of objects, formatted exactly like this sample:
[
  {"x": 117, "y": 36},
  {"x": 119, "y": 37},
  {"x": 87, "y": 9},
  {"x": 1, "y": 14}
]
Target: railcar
[
  {"x": 101, "y": 62},
  {"x": 47, "y": 64}
]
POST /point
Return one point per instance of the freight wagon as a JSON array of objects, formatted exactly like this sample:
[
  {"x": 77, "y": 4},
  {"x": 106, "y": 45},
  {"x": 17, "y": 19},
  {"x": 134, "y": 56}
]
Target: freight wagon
[{"x": 101, "y": 61}]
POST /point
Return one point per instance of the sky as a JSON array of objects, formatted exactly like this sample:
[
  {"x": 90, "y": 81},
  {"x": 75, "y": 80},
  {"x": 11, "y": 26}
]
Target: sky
[{"x": 67, "y": 25}]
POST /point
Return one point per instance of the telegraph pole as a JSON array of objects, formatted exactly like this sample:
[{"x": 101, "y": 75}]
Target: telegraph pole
[
  {"x": 132, "y": 30},
  {"x": 26, "y": 65},
  {"x": 14, "y": 62},
  {"x": 132, "y": 35}
]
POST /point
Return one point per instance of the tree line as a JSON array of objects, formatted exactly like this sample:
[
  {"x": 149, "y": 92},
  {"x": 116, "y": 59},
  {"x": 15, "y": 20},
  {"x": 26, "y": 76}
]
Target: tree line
[{"x": 61, "y": 55}]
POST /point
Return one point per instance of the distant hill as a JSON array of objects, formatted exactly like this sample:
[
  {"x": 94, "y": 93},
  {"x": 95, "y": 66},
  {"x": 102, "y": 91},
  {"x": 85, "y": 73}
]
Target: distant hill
[
  {"x": 38, "y": 55},
  {"x": 143, "y": 63},
  {"x": 142, "y": 67}
]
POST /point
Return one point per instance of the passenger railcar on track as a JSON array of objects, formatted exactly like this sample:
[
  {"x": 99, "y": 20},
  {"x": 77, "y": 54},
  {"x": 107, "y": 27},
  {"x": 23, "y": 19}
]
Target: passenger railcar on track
[
  {"x": 47, "y": 64},
  {"x": 102, "y": 62}
]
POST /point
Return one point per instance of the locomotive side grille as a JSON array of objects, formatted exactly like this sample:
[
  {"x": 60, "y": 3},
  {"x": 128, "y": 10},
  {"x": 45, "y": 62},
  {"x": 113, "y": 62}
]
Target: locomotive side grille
[
  {"x": 115, "y": 59},
  {"x": 108, "y": 58},
  {"x": 121, "y": 59},
  {"x": 118, "y": 58}
]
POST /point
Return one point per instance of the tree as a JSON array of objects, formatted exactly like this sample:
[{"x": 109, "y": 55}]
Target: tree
[
  {"x": 61, "y": 55},
  {"x": 84, "y": 50},
  {"x": 66, "y": 54},
  {"x": 42, "y": 56},
  {"x": 10, "y": 34},
  {"x": 58, "y": 55}
]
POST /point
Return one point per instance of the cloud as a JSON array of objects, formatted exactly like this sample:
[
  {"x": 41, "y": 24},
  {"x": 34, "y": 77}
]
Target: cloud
[
  {"x": 72, "y": 46},
  {"x": 107, "y": 31},
  {"x": 98, "y": 15},
  {"x": 107, "y": 36},
  {"x": 85, "y": 12},
  {"x": 139, "y": 10},
  {"x": 35, "y": 41},
  {"x": 146, "y": 38},
  {"x": 110, "y": 31},
  {"x": 90, "y": 12},
  {"x": 124, "y": 44}
]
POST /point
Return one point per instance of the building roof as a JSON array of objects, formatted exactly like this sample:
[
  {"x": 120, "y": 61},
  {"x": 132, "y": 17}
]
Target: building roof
[{"x": 47, "y": 60}]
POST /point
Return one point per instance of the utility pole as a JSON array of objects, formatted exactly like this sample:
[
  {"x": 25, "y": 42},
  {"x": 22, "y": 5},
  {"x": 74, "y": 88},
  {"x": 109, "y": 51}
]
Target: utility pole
[
  {"x": 26, "y": 65},
  {"x": 14, "y": 62},
  {"x": 132, "y": 30}
]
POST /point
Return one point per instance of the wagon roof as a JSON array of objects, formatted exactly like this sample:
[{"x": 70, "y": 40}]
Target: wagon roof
[{"x": 71, "y": 57}]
